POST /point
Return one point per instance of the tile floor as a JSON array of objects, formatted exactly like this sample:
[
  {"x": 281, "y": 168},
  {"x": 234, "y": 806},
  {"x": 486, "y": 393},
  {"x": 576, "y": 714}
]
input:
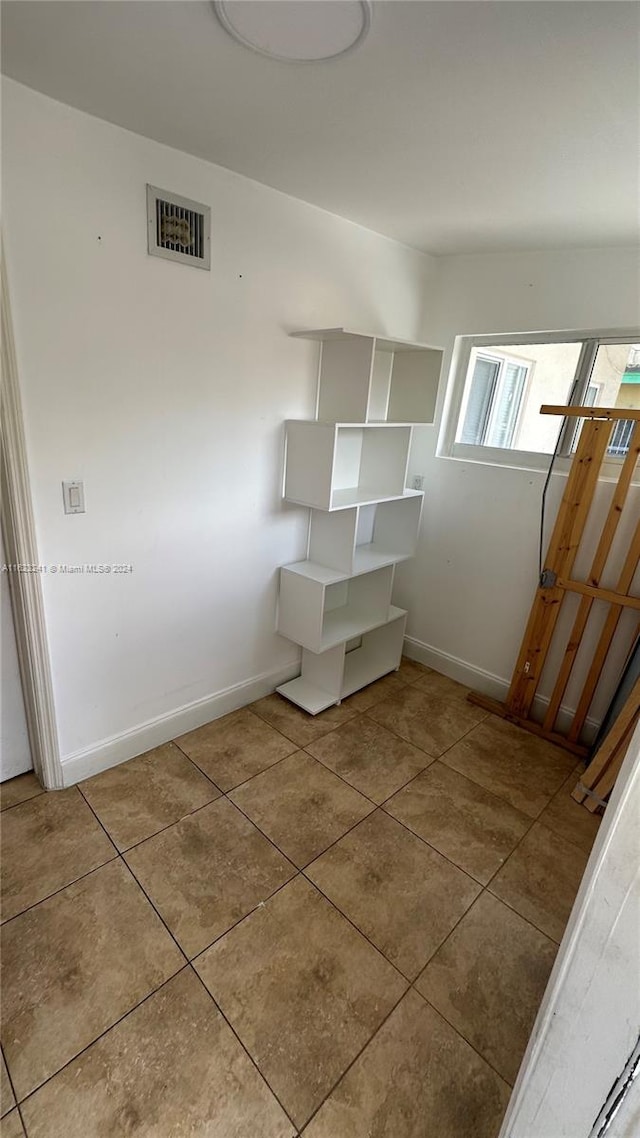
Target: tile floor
[{"x": 337, "y": 927}]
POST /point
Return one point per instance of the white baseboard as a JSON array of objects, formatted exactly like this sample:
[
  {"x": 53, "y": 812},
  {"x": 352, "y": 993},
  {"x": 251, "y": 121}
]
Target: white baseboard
[
  {"x": 486, "y": 682},
  {"x": 118, "y": 748}
]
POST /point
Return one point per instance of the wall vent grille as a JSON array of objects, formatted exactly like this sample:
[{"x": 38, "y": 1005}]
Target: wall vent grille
[{"x": 178, "y": 228}]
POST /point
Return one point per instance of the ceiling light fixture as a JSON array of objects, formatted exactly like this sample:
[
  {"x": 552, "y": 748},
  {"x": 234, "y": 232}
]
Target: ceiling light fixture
[{"x": 296, "y": 31}]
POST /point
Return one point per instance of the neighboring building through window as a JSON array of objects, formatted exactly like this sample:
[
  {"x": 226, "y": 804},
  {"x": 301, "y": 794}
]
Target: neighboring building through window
[
  {"x": 493, "y": 401},
  {"x": 505, "y": 385}
]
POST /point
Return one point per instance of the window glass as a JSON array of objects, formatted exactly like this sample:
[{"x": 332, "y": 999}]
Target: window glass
[
  {"x": 616, "y": 378},
  {"x": 504, "y": 390}
]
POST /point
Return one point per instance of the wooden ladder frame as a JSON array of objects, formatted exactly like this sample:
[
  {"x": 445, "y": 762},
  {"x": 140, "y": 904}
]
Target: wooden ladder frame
[{"x": 559, "y": 582}]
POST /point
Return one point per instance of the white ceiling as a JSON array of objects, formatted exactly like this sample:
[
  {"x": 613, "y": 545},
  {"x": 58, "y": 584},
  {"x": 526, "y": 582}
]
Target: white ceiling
[{"x": 455, "y": 127}]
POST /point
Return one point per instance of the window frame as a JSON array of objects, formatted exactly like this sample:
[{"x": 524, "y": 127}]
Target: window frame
[
  {"x": 503, "y": 359},
  {"x": 590, "y": 339}
]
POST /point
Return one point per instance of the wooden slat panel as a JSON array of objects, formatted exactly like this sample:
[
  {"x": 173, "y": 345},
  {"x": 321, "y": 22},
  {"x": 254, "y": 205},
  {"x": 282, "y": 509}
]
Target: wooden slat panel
[
  {"x": 608, "y": 413},
  {"x": 599, "y": 594},
  {"x": 605, "y": 784},
  {"x": 561, "y": 554},
  {"x": 627, "y": 717},
  {"x": 606, "y": 637},
  {"x": 614, "y": 513}
]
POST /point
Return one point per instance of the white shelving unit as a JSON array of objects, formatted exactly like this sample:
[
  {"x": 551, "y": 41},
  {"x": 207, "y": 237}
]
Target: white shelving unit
[{"x": 349, "y": 466}]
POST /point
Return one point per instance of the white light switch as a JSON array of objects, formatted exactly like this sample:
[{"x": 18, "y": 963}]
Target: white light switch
[{"x": 73, "y": 496}]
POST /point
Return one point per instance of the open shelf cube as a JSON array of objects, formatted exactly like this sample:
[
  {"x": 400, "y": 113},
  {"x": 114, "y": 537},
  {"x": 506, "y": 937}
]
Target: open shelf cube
[
  {"x": 319, "y": 607},
  {"x": 333, "y": 466},
  {"x": 372, "y": 379},
  {"x": 363, "y": 538},
  {"x": 331, "y": 676},
  {"x": 404, "y": 385}
]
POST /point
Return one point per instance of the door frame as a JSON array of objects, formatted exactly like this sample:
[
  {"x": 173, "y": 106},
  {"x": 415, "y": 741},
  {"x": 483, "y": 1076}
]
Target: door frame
[
  {"x": 561, "y": 1067},
  {"x": 21, "y": 549}
]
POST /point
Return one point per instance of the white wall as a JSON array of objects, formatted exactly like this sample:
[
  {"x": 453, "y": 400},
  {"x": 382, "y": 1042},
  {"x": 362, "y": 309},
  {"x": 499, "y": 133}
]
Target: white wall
[
  {"x": 164, "y": 389},
  {"x": 15, "y": 752},
  {"x": 470, "y": 588}
]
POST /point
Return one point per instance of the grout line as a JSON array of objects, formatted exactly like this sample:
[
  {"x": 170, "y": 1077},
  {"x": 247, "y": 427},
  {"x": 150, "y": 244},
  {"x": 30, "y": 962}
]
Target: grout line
[
  {"x": 170, "y": 825},
  {"x": 357, "y": 928},
  {"x": 15, "y": 1097},
  {"x": 254, "y": 909},
  {"x": 144, "y": 892},
  {"x": 194, "y": 764},
  {"x": 102, "y": 1034},
  {"x": 242, "y": 1045},
  {"x": 464, "y": 1038},
  {"x": 344, "y": 1073},
  {"x": 61, "y": 889},
  {"x": 20, "y": 1116},
  {"x": 249, "y": 778},
  {"x": 528, "y": 919},
  {"x": 23, "y": 802},
  {"x": 301, "y": 868},
  {"x": 541, "y": 820},
  {"x": 155, "y": 833},
  {"x": 296, "y": 742}
]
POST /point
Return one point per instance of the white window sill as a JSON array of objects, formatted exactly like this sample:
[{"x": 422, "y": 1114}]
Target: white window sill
[{"x": 527, "y": 460}]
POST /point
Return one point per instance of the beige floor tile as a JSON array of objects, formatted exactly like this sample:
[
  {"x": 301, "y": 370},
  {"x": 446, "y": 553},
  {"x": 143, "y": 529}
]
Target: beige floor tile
[
  {"x": 430, "y": 719},
  {"x": 295, "y": 723},
  {"x": 7, "y": 1097},
  {"x": 512, "y": 763},
  {"x": 374, "y": 693},
  {"x": 369, "y": 757},
  {"x": 411, "y": 670},
  {"x": 47, "y": 843},
  {"x": 301, "y": 806},
  {"x": 568, "y": 818},
  {"x": 488, "y": 980},
  {"x": 468, "y": 825},
  {"x": 171, "y": 1069},
  {"x": 434, "y": 683},
  {"x": 541, "y": 878},
  {"x": 416, "y": 1079},
  {"x": 207, "y": 872},
  {"x": 19, "y": 789},
  {"x": 11, "y": 1126},
  {"x": 138, "y": 798},
  {"x": 400, "y": 893},
  {"x": 73, "y": 965},
  {"x": 303, "y": 990},
  {"x": 234, "y": 748}
]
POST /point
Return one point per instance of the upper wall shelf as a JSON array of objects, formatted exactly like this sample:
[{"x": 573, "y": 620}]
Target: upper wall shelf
[{"x": 372, "y": 379}]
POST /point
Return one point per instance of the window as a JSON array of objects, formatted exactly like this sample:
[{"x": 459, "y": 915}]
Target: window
[
  {"x": 493, "y": 402},
  {"x": 501, "y": 387}
]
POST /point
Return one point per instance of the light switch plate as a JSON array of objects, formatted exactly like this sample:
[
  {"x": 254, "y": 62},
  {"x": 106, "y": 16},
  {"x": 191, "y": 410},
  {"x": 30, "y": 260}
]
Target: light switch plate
[{"x": 73, "y": 497}]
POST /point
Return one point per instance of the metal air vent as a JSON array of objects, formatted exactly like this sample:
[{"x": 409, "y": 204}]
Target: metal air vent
[{"x": 178, "y": 229}]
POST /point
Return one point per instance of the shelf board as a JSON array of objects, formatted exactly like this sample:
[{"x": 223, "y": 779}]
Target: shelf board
[
  {"x": 345, "y": 624},
  {"x": 372, "y": 556},
  {"x": 313, "y": 571},
  {"x": 382, "y": 342},
  {"x": 354, "y": 496},
  {"x": 366, "y": 496},
  {"x": 364, "y": 423},
  {"x": 367, "y": 558},
  {"x": 307, "y": 695}
]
